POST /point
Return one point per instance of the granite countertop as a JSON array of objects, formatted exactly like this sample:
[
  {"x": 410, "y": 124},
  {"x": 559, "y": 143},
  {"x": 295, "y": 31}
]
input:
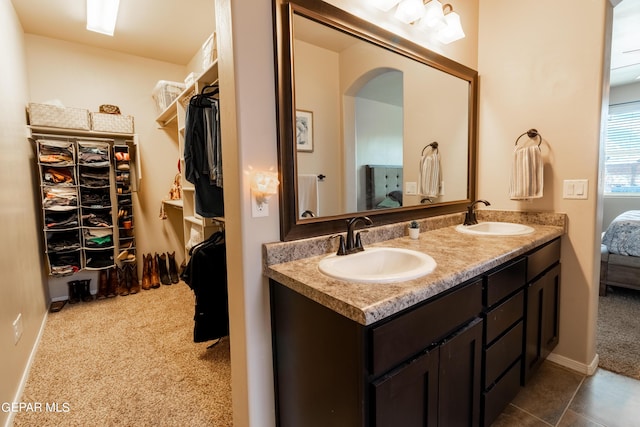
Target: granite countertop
[{"x": 459, "y": 257}]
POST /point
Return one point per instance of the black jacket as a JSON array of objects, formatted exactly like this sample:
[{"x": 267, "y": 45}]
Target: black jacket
[{"x": 206, "y": 275}]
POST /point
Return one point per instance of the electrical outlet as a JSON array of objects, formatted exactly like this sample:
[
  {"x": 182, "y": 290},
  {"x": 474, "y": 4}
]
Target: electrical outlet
[{"x": 17, "y": 329}]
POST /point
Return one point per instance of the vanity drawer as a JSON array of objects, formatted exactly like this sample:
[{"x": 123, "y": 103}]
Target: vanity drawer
[
  {"x": 504, "y": 282},
  {"x": 501, "y": 354},
  {"x": 496, "y": 399},
  {"x": 543, "y": 258},
  {"x": 503, "y": 316},
  {"x": 402, "y": 337}
]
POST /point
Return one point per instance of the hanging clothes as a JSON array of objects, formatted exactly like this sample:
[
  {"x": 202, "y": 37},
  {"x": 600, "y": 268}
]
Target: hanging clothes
[
  {"x": 206, "y": 275},
  {"x": 203, "y": 153}
]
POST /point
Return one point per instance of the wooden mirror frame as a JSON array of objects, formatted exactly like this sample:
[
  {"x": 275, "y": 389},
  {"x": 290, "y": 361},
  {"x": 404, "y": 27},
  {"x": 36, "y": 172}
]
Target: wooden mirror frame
[{"x": 291, "y": 228}]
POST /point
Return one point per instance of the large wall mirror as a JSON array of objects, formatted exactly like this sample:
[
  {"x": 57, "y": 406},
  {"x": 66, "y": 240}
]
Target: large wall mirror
[{"x": 364, "y": 118}]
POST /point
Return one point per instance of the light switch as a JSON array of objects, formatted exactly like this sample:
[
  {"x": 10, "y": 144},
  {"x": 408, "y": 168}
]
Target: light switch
[
  {"x": 411, "y": 188},
  {"x": 575, "y": 189}
]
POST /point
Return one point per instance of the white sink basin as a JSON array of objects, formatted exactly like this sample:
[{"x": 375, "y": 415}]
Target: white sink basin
[
  {"x": 495, "y": 229},
  {"x": 378, "y": 265}
]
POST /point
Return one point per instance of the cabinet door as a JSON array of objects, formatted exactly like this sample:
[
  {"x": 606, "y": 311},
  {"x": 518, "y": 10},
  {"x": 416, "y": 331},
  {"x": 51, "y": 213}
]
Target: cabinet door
[
  {"x": 543, "y": 311},
  {"x": 459, "y": 385},
  {"x": 408, "y": 396}
]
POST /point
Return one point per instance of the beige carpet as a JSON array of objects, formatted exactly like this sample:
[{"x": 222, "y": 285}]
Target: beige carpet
[
  {"x": 129, "y": 361},
  {"x": 618, "y": 339}
]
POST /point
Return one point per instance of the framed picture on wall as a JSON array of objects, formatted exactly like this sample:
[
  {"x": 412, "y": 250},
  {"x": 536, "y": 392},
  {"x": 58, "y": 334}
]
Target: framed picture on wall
[{"x": 304, "y": 130}]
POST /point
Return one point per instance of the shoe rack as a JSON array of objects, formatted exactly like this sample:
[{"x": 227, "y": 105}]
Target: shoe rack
[
  {"x": 82, "y": 192},
  {"x": 173, "y": 119},
  {"x": 126, "y": 233}
]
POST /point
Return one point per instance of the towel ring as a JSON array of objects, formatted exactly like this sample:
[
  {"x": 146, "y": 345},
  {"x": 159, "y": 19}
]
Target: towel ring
[
  {"x": 531, "y": 133},
  {"x": 433, "y": 145}
]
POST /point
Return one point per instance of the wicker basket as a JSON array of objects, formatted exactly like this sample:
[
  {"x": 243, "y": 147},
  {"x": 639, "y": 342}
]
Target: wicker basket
[
  {"x": 58, "y": 117},
  {"x": 116, "y": 123}
]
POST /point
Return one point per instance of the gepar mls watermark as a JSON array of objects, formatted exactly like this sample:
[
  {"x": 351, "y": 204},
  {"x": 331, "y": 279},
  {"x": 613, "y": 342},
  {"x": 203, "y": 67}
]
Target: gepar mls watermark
[{"x": 35, "y": 407}]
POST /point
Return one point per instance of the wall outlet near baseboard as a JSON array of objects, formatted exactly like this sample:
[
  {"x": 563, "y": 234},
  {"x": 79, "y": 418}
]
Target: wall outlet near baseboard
[{"x": 17, "y": 329}]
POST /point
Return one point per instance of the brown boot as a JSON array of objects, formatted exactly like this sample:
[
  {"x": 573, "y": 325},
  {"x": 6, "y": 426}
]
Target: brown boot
[
  {"x": 112, "y": 290},
  {"x": 146, "y": 272},
  {"x": 134, "y": 287},
  {"x": 155, "y": 276},
  {"x": 123, "y": 283},
  {"x": 103, "y": 284}
]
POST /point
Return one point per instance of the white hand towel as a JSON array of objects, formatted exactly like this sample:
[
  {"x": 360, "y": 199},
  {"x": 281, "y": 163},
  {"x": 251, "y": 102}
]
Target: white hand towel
[
  {"x": 526, "y": 173},
  {"x": 429, "y": 174},
  {"x": 308, "y": 194}
]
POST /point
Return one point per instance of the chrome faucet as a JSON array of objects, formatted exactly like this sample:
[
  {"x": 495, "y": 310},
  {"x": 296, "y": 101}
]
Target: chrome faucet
[
  {"x": 470, "y": 216},
  {"x": 354, "y": 243}
]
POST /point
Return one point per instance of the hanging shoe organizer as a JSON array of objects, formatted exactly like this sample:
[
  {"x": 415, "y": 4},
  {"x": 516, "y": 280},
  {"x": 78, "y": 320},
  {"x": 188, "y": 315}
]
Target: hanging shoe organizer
[
  {"x": 126, "y": 234},
  {"x": 86, "y": 186}
]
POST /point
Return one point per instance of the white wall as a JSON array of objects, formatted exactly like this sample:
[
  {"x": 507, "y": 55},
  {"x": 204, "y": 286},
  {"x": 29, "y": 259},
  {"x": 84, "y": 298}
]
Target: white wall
[
  {"x": 316, "y": 77},
  {"x": 546, "y": 72},
  {"x": 86, "y": 77},
  {"x": 23, "y": 289}
]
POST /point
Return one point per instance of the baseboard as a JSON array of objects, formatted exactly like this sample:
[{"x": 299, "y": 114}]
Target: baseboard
[
  {"x": 574, "y": 365},
  {"x": 27, "y": 369}
]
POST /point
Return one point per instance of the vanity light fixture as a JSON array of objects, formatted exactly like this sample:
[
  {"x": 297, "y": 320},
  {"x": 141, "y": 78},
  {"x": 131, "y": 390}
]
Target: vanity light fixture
[
  {"x": 427, "y": 15},
  {"x": 452, "y": 31},
  {"x": 102, "y": 15},
  {"x": 409, "y": 11},
  {"x": 264, "y": 184},
  {"x": 385, "y": 5}
]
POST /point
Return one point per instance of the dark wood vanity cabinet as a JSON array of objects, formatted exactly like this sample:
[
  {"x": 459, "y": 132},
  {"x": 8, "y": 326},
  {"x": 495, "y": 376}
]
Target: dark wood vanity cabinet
[
  {"x": 421, "y": 367},
  {"x": 543, "y": 306},
  {"x": 456, "y": 359},
  {"x": 504, "y": 295}
]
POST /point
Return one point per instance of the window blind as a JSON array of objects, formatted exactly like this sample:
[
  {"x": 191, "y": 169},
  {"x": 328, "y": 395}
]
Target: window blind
[{"x": 622, "y": 149}]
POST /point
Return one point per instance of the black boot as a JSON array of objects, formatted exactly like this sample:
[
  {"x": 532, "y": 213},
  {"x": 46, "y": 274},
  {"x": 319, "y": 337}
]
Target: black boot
[
  {"x": 74, "y": 292},
  {"x": 162, "y": 269},
  {"x": 173, "y": 267},
  {"x": 85, "y": 290}
]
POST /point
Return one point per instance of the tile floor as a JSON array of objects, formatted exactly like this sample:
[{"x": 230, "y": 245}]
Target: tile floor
[{"x": 559, "y": 397}]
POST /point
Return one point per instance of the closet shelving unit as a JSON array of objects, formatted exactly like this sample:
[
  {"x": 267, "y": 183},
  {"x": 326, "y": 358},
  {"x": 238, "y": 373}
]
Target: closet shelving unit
[
  {"x": 73, "y": 229},
  {"x": 195, "y": 227}
]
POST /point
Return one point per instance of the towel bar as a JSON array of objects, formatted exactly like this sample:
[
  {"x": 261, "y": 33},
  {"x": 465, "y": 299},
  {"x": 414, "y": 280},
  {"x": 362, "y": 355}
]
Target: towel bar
[
  {"x": 433, "y": 145},
  {"x": 531, "y": 133}
]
